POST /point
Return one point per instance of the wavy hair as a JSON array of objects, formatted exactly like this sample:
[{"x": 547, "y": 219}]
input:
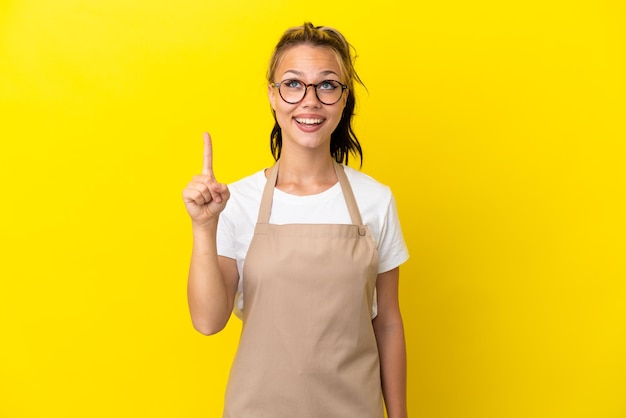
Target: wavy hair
[{"x": 343, "y": 140}]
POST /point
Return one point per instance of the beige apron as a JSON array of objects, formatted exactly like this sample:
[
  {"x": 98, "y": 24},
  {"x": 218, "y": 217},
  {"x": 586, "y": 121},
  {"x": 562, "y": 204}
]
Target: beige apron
[{"x": 307, "y": 347}]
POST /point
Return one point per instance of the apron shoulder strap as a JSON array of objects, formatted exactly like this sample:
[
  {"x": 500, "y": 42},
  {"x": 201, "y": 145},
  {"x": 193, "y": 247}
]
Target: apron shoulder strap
[
  {"x": 268, "y": 195},
  {"x": 348, "y": 195}
]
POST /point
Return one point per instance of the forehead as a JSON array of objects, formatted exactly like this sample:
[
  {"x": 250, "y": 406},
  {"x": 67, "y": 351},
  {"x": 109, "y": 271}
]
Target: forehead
[{"x": 309, "y": 60}]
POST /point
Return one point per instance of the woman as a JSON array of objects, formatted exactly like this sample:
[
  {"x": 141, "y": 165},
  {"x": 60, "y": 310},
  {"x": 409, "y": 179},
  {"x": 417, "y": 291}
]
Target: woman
[{"x": 307, "y": 253}]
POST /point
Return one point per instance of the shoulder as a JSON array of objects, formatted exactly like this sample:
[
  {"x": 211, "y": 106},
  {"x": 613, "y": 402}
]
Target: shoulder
[
  {"x": 249, "y": 187},
  {"x": 366, "y": 187},
  {"x": 251, "y": 182},
  {"x": 245, "y": 195}
]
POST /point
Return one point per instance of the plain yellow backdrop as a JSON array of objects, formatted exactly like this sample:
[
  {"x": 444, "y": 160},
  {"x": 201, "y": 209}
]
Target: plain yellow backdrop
[{"x": 499, "y": 126}]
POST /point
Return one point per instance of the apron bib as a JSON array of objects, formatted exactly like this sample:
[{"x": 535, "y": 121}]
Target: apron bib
[{"x": 307, "y": 347}]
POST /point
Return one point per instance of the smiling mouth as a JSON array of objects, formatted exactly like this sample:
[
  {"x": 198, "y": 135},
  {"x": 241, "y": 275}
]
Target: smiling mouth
[{"x": 309, "y": 121}]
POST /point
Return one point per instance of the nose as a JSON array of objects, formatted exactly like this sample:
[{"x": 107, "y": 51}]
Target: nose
[{"x": 310, "y": 97}]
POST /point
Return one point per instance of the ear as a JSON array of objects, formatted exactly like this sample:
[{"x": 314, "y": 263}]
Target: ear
[{"x": 271, "y": 95}]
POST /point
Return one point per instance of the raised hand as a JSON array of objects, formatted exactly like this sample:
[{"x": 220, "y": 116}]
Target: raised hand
[{"x": 204, "y": 197}]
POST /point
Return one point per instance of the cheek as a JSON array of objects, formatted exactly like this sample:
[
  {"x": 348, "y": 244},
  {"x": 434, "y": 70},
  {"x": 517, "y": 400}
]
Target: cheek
[
  {"x": 282, "y": 114},
  {"x": 342, "y": 108}
]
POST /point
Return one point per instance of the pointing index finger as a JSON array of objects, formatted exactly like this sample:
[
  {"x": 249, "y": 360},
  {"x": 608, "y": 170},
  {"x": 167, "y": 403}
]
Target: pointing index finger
[{"x": 207, "y": 163}]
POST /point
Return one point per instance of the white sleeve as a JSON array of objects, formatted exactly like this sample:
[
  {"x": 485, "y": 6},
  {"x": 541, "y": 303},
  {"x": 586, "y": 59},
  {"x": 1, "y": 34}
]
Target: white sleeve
[
  {"x": 226, "y": 243},
  {"x": 392, "y": 250}
]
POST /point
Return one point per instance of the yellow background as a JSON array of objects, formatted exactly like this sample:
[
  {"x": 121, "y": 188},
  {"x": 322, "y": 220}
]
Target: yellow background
[{"x": 499, "y": 125}]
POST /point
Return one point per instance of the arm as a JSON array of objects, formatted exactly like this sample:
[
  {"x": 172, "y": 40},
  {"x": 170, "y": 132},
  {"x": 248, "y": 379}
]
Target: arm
[
  {"x": 212, "y": 279},
  {"x": 391, "y": 345},
  {"x": 212, "y": 282}
]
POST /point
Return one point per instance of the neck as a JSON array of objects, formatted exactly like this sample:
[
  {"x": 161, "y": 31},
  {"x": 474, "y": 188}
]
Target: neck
[{"x": 306, "y": 173}]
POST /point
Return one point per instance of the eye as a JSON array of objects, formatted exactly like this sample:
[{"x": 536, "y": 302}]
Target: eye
[
  {"x": 328, "y": 85},
  {"x": 293, "y": 84}
]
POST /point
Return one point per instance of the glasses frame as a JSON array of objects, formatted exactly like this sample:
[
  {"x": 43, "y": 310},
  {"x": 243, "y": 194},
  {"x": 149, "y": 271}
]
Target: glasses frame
[{"x": 306, "y": 89}]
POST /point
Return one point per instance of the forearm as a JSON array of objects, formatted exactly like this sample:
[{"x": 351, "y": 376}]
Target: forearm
[
  {"x": 392, "y": 351},
  {"x": 207, "y": 293}
]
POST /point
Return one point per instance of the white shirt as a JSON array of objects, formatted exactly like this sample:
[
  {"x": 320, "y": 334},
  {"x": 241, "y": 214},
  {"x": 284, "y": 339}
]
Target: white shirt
[{"x": 375, "y": 201}]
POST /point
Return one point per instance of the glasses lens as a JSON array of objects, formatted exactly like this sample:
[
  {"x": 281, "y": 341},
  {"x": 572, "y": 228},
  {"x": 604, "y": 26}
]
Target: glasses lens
[
  {"x": 293, "y": 91},
  {"x": 329, "y": 92}
]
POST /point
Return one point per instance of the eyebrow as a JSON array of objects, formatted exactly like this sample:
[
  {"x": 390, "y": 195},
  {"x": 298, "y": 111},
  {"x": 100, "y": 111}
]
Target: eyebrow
[{"x": 300, "y": 73}]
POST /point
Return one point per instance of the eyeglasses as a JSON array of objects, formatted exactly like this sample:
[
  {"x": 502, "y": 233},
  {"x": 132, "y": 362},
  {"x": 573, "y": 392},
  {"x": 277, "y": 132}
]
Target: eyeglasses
[{"x": 328, "y": 92}]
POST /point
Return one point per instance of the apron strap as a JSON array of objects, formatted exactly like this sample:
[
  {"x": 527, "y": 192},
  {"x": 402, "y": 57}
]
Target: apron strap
[
  {"x": 268, "y": 195},
  {"x": 348, "y": 195}
]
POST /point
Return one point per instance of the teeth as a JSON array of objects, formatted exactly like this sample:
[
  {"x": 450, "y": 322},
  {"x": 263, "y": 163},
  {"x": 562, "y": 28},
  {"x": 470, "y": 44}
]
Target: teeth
[{"x": 307, "y": 121}]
